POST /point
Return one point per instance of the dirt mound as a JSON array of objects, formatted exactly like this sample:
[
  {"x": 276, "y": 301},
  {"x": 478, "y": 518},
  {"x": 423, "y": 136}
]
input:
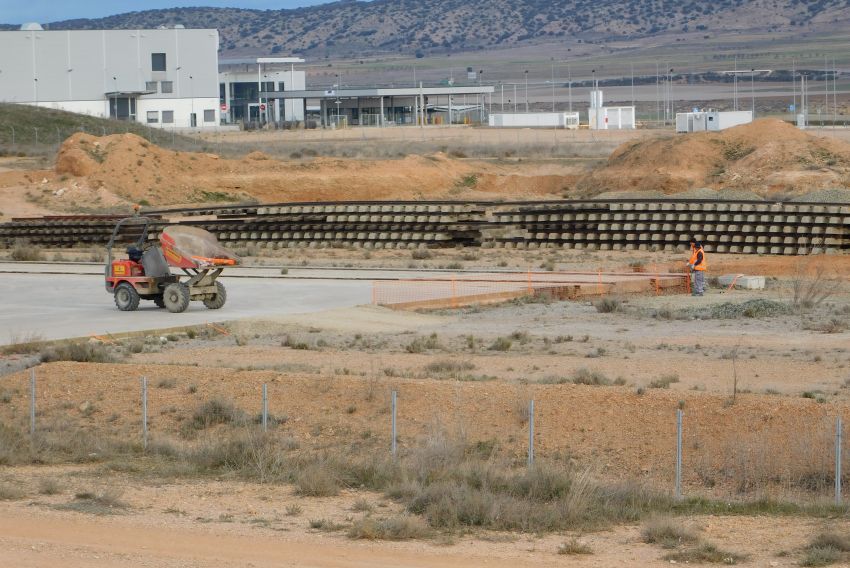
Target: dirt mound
[
  {"x": 766, "y": 156},
  {"x": 257, "y": 155},
  {"x": 135, "y": 170}
]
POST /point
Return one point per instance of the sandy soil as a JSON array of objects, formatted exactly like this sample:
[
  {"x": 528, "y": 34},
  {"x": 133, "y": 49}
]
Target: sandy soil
[
  {"x": 767, "y": 156},
  {"x": 129, "y": 169},
  {"x": 214, "y": 523}
]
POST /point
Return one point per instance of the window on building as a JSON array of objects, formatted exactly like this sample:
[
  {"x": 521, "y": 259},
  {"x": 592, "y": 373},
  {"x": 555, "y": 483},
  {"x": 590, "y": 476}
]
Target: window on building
[
  {"x": 153, "y": 116},
  {"x": 150, "y": 86},
  {"x": 166, "y": 87},
  {"x": 157, "y": 62},
  {"x": 209, "y": 116},
  {"x": 168, "y": 117}
]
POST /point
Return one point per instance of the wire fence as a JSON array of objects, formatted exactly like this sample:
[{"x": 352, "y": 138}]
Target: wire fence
[
  {"x": 786, "y": 449},
  {"x": 45, "y": 137}
]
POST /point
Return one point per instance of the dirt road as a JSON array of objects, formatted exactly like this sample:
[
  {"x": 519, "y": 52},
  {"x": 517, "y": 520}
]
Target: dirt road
[
  {"x": 31, "y": 537},
  {"x": 83, "y": 543}
]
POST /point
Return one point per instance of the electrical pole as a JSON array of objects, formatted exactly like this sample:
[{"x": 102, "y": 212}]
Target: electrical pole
[{"x": 526, "y": 91}]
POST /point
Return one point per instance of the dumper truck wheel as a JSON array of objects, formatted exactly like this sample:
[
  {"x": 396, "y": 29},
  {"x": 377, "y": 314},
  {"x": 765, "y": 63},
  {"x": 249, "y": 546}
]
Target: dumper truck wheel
[
  {"x": 159, "y": 301},
  {"x": 176, "y": 297},
  {"x": 218, "y": 299},
  {"x": 126, "y": 297}
]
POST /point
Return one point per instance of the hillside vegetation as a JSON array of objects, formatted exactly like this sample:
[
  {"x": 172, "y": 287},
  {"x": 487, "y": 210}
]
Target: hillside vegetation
[{"x": 431, "y": 26}]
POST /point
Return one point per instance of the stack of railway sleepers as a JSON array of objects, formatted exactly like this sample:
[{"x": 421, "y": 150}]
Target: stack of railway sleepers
[
  {"x": 733, "y": 227},
  {"x": 747, "y": 227}
]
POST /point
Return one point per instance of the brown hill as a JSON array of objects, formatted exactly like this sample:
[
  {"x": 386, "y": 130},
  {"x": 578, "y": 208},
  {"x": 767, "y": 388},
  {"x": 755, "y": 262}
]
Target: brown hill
[
  {"x": 134, "y": 170},
  {"x": 767, "y": 156},
  {"x": 352, "y": 28}
]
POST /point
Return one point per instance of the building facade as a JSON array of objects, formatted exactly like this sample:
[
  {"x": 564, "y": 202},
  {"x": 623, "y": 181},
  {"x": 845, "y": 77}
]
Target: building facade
[
  {"x": 163, "y": 77},
  {"x": 242, "y": 80}
]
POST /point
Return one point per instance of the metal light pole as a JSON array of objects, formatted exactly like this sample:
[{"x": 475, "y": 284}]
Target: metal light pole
[
  {"x": 480, "y": 99},
  {"x": 672, "y": 109},
  {"x": 515, "y": 99},
  {"x": 115, "y": 98},
  {"x": 526, "y": 91},
  {"x": 553, "y": 87},
  {"x": 192, "y": 102},
  {"x": 753, "y": 90}
]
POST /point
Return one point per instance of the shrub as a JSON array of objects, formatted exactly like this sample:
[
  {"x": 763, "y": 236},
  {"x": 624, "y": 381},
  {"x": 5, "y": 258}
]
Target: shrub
[
  {"x": 449, "y": 367},
  {"x": 836, "y": 541},
  {"x": 316, "y": 481},
  {"x": 401, "y": 527},
  {"x": 574, "y": 547},
  {"x": 585, "y": 376},
  {"x": 501, "y": 344},
  {"x": 705, "y": 553},
  {"x": 325, "y": 525},
  {"x": 216, "y": 411},
  {"x": 832, "y": 325},
  {"x": 608, "y": 305},
  {"x": 421, "y": 344},
  {"x": 667, "y": 533},
  {"x": 10, "y": 492},
  {"x": 80, "y": 352},
  {"x": 167, "y": 383},
  {"x": 820, "y": 556},
  {"x": 421, "y": 254},
  {"x": 362, "y": 506},
  {"x": 24, "y": 251},
  {"x": 663, "y": 382},
  {"x": 294, "y": 510},
  {"x": 107, "y": 502}
]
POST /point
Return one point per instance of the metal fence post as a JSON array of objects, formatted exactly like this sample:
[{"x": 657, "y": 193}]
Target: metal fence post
[
  {"x": 838, "y": 429},
  {"x": 265, "y": 408},
  {"x": 394, "y": 426},
  {"x": 145, "y": 412},
  {"x": 678, "y": 492},
  {"x": 531, "y": 433},
  {"x": 32, "y": 405}
]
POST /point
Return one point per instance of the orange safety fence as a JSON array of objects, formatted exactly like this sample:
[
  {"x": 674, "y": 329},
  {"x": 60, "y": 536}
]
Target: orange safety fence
[{"x": 454, "y": 290}]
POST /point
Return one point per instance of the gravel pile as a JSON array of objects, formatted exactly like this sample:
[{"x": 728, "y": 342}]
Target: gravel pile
[
  {"x": 700, "y": 193},
  {"x": 739, "y": 195},
  {"x": 631, "y": 195},
  {"x": 748, "y": 309},
  {"x": 838, "y": 195}
]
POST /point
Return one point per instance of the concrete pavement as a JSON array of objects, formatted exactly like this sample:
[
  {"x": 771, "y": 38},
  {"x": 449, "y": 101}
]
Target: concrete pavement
[{"x": 57, "y": 306}]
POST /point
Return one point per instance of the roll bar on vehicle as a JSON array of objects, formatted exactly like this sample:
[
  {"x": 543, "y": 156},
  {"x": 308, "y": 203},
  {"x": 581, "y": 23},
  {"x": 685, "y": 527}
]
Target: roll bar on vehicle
[{"x": 141, "y": 241}]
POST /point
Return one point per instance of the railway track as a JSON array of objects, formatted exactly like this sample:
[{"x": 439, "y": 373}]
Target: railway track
[{"x": 746, "y": 227}]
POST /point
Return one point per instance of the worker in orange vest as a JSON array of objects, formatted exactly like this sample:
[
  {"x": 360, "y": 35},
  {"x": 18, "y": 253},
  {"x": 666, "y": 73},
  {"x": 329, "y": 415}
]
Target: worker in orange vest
[{"x": 697, "y": 265}]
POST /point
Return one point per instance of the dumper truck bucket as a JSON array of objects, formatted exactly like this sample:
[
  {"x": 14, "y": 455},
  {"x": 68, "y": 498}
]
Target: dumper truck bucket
[{"x": 191, "y": 247}]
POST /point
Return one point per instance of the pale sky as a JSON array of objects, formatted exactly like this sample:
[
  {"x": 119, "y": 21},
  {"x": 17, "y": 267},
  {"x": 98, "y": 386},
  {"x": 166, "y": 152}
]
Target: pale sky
[{"x": 46, "y": 11}]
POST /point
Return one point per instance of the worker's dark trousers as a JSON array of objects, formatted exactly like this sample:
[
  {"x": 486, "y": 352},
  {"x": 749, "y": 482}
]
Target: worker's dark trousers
[{"x": 699, "y": 281}]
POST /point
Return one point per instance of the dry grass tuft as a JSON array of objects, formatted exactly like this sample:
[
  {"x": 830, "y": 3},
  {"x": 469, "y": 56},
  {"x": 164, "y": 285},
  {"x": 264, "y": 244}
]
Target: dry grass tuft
[
  {"x": 573, "y": 546},
  {"x": 401, "y": 527},
  {"x": 668, "y": 533}
]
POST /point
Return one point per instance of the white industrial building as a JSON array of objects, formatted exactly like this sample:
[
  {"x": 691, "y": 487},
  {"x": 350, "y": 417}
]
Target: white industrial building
[
  {"x": 601, "y": 117},
  {"x": 569, "y": 120},
  {"x": 388, "y": 106},
  {"x": 243, "y": 80},
  {"x": 711, "y": 120},
  {"x": 163, "y": 77}
]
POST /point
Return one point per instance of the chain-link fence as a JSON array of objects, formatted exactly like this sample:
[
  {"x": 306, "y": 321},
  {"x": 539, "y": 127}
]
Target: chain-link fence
[{"x": 774, "y": 448}]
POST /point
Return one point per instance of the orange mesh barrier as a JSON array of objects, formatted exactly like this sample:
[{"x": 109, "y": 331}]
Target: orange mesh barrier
[{"x": 468, "y": 288}]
